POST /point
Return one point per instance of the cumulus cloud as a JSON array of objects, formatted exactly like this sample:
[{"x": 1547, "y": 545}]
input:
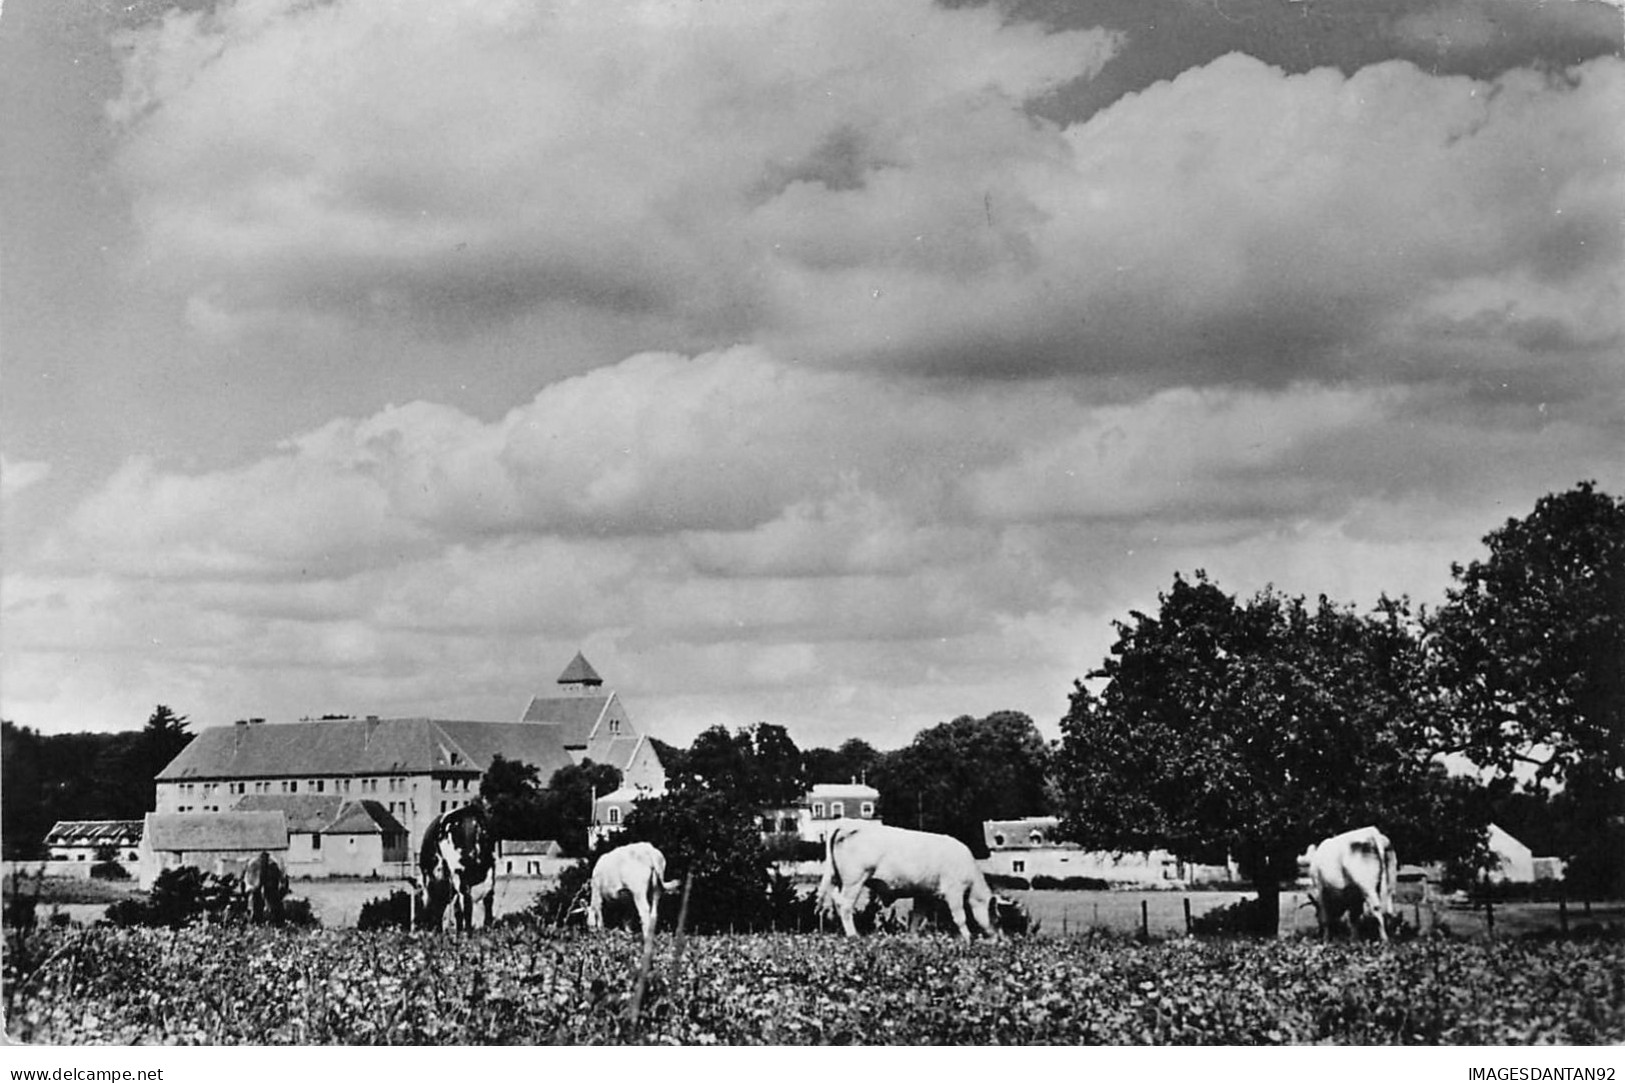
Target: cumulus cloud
[
  {"x": 19, "y": 474},
  {"x": 943, "y": 384},
  {"x": 868, "y": 186},
  {"x": 499, "y": 157}
]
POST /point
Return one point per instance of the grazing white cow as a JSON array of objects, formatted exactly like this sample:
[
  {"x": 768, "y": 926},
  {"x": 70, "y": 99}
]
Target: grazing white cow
[
  {"x": 637, "y": 869},
  {"x": 896, "y": 863},
  {"x": 1351, "y": 873}
]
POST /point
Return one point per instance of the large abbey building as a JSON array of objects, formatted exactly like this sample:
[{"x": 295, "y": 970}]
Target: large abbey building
[{"x": 356, "y": 794}]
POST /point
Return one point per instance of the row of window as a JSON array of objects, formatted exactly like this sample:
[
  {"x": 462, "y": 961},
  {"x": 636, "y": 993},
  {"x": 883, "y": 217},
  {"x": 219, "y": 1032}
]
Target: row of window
[
  {"x": 395, "y": 784},
  {"x": 837, "y": 809}
]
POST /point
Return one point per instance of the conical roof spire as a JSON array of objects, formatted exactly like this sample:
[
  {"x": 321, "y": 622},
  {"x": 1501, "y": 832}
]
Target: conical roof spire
[{"x": 580, "y": 671}]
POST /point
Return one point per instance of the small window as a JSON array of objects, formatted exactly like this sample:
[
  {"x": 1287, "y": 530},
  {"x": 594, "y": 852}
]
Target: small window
[
  {"x": 868, "y": 809},
  {"x": 315, "y": 842},
  {"x": 998, "y": 839},
  {"x": 321, "y": 785},
  {"x": 818, "y": 810},
  {"x": 1036, "y": 837},
  {"x": 837, "y": 809},
  {"x": 1018, "y": 866},
  {"x": 614, "y": 814},
  {"x": 349, "y": 843},
  {"x": 614, "y": 726}
]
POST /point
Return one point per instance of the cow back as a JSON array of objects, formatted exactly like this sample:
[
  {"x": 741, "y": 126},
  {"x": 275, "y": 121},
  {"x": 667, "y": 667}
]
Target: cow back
[{"x": 905, "y": 861}]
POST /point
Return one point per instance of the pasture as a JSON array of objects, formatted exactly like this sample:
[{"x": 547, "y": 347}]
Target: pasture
[{"x": 514, "y": 985}]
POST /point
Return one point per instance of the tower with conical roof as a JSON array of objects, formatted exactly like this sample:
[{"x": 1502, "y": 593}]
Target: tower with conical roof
[{"x": 579, "y": 678}]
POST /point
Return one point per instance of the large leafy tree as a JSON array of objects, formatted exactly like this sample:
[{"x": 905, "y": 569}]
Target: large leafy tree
[
  {"x": 1255, "y": 730},
  {"x": 1531, "y": 650},
  {"x": 760, "y": 765},
  {"x": 954, "y": 775},
  {"x": 520, "y": 808},
  {"x": 853, "y": 760}
]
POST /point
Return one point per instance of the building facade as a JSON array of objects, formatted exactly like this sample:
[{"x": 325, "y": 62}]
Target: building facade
[
  {"x": 1028, "y": 847},
  {"x": 373, "y": 785}
]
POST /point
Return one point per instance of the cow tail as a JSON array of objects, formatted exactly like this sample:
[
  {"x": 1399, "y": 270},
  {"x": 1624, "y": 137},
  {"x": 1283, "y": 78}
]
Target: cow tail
[{"x": 827, "y": 882}]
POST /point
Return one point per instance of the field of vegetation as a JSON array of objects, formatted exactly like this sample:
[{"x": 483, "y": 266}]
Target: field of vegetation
[{"x": 516, "y": 985}]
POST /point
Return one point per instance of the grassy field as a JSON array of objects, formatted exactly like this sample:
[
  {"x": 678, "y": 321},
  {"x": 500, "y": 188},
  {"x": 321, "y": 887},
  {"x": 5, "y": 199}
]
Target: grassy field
[{"x": 222, "y": 985}]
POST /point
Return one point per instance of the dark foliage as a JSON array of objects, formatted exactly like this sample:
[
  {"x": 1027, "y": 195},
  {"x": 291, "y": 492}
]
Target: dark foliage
[
  {"x": 521, "y": 808},
  {"x": 109, "y": 870},
  {"x": 1070, "y": 883},
  {"x": 955, "y": 775},
  {"x": 185, "y": 895},
  {"x": 393, "y": 911},
  {"x": 1257, "y": 730},
  {"x": 758, "y": 765},
  {"x": 1529, "y": 648}
]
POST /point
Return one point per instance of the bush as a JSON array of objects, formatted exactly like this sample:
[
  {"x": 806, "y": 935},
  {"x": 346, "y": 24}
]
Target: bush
[
  {"x": 1008, "y": 883},
  {"x": 1070, "y": 883},
  {"x": 393, "y": 911},
  {"x": 1241, "y": 918},
  {"x": 184, "y": 895},
  {"x": 297, "y": 911},
  {"x": 109, "y": 870}
]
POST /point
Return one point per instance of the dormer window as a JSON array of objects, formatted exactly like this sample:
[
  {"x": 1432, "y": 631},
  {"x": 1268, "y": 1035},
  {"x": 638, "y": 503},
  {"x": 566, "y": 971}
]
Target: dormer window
[
  {"x": 614, "y": 814},
  {"x": 818, "y": 810},
  {"x": 837, "y": 809}
]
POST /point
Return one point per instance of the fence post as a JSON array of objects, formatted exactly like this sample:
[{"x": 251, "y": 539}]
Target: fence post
[
  {"x": 1187, "y": 901},
  {"x": 1145, "y": 919}
]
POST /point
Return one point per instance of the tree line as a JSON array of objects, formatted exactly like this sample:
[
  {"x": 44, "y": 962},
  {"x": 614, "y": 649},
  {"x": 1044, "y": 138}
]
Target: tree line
[{"x": 1216, "y": 726}]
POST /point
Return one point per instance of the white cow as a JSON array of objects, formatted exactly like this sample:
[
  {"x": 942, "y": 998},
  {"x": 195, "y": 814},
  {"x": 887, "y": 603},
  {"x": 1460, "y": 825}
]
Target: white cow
[
  {"x": 1352, "y": 873},
  {"x": 902, "y": 863},
  {"x": 638, "y": 869}
]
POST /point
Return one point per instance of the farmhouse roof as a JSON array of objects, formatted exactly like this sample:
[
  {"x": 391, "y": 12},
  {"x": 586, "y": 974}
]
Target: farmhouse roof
[
  {"x": 823, "y": 791},
  {"x": 348, "y": 747},
  {"x": 94, "y": 833},
  {"x": 364, "y": 818},
  {"x": 191, "y": 831},
  {"x": 324, "y": 814},
  {"x": 529, "y": 848},
  {"x": 1018, "y": 834}
]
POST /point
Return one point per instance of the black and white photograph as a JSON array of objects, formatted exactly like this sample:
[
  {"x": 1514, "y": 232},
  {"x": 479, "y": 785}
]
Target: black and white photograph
[{"x": 765, "y": 523}]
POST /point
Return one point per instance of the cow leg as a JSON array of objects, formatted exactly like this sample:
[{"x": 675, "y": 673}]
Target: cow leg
[
  {"x": 956, "y": 908},
  {"x": 646, "y": 915},
  {"x": 981, "y": 908},
  {"x": 846, "y": 902},
  {"x": 595, "y": 908}
]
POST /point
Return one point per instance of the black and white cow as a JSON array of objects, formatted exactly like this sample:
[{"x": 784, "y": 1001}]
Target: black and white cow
[{"x": 458, "y": 863}]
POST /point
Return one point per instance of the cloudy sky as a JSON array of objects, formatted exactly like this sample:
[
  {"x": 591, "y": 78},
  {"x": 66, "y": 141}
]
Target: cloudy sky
[{"x": 844, "y": 365}]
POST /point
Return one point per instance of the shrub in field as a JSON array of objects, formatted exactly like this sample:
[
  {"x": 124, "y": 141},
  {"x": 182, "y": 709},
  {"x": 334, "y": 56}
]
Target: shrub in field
[
  {"x": 109, "y": 870},
  {"x": 1008, "y": 883},
  {"x": 393, "y": 911},
  {"x": 184, "y": 895},
  {"x": 1070, "y": 883},
  {"x": 297, "y": 911},
  {"x": 1240, "y": 918}
]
